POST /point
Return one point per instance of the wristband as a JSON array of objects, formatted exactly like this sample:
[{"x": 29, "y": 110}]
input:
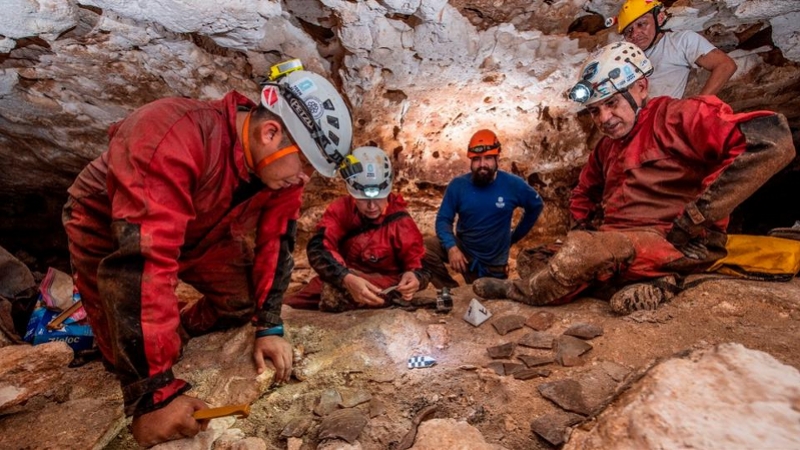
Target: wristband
[{"x": 274, "y": 331}]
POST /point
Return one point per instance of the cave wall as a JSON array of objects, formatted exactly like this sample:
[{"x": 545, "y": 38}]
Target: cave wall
[{"x": 421, "y": 76}]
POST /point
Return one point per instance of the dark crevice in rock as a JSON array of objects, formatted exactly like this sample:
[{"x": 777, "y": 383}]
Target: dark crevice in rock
[
  {"x": 591, "y": 24},
  {"x": 411, "y": 21}
]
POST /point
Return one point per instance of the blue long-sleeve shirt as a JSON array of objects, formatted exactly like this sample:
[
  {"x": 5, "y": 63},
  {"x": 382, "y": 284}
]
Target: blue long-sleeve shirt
[{"x": 484, "y": 216}]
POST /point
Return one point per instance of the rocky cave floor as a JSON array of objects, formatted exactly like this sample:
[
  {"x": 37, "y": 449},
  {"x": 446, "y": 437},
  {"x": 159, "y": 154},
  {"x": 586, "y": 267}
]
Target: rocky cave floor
[{"x": 362, "y": 356}]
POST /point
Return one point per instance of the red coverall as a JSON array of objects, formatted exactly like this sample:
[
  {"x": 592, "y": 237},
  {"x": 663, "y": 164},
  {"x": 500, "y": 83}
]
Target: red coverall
[
  {"x": 170, "y": 199},
  {"x": 639, "y": 184},
  {"x": 380, "y": 250}
]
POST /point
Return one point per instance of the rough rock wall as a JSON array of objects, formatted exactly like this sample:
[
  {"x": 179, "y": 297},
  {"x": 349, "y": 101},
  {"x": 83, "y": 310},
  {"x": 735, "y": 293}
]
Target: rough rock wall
[{"x": 421, "y": 75}]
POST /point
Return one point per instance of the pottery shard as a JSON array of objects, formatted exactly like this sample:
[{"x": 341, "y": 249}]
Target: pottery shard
[
  {"x": 342, "y": 424},
  {"x": 498, "y": 367},
  {"x": 328, "y": 402},
  {"x": 534, "y": 361},
  {"x": 541, "y": 320},
  {"x": 510, "y": 368},
  {"x": 296, "y": 427},
  {"x": 567, "y": 394},
  {"x": 351, "y": 398},
  {"x": 584, "y": 330},
  {"x": 552, "y": 427},
  {"x": 537, "y": 340},
  {"x": 507, "y": 324},
  {"x": 503, "y": 351},
  {"x": 527, "y": 374},
  {"x": 569, "y": 350}
]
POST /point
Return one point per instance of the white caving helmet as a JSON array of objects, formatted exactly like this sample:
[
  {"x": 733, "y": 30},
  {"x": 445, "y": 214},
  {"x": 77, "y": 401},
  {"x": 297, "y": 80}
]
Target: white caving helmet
[
  {"x": 368, "y": 174},
  {"x": 315, "y": 116},
  {"x": 611, "y": 69}
]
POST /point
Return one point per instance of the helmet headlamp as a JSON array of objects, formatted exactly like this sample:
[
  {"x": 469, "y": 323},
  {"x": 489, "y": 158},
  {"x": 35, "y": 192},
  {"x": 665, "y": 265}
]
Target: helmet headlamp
[{"x": 581, "y": 92}]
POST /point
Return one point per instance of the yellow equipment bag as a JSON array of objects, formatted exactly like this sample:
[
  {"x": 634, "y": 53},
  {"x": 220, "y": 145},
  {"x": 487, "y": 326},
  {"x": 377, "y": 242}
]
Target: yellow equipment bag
[{"x": 761, "y": 257}]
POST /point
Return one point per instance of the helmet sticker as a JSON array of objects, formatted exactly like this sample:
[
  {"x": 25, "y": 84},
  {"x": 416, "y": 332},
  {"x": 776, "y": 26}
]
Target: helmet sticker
[
  {"x": 304, "y": 86},
  {"x": 370, "y": 173},
  {"x": 314, "y": 106},
  {"x": 270, "y": 95},
  {"x": 590, "y": 71}
]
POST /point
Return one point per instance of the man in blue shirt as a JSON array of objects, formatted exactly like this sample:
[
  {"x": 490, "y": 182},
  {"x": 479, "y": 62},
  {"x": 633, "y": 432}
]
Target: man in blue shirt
[{"x": 484, "y": 201}]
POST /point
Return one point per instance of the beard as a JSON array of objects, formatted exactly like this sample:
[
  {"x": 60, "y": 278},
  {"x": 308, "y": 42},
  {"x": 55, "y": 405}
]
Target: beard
[{"x": 483, "y": 176}]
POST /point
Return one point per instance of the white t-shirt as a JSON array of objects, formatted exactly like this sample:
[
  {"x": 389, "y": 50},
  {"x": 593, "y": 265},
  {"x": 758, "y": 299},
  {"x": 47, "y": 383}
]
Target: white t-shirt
[{"x": 673, "y": 57}]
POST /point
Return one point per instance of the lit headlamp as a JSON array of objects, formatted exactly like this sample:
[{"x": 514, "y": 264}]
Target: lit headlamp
[
  {"x": 581, "y": 92},
  {"x": 371, "y": 191}
]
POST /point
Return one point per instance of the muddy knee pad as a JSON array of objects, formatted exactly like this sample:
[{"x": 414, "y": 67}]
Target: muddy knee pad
[{"x": 585, "y": 255}]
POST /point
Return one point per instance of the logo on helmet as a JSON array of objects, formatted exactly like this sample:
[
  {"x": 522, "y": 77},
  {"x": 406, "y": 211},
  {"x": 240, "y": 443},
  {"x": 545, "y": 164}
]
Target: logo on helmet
[
  {"x": 590, "y": 71},
  {"x": 301, "y": 112},
  {"x": 270, "y": 96},
  {"x": 314, "y": 106}
]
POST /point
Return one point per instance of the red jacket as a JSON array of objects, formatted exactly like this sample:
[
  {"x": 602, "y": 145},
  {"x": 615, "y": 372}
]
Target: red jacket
[
  {"x": 676, "y": 149},
  {"x": 390, "y": 245},
  {"x": 172, "y": 182}
]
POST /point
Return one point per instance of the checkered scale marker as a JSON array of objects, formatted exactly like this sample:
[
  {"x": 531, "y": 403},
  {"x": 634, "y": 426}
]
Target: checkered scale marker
[{"x": 419, "y": 362}]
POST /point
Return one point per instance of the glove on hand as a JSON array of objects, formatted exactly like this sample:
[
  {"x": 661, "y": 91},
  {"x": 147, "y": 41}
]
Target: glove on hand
[{"x": 687, "y": 237}]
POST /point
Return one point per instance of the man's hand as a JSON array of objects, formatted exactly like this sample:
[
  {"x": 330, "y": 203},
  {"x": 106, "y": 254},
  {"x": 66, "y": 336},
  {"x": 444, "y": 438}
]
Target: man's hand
[
  {"x": 457, "y": 260},
  {"x": 364, "y": 293},
  {"x": 686, "y": 237},
  {"x": 408, "y": 286},
  {"x": 171, "y": 422},
  {"x": 279, "y": 351}
]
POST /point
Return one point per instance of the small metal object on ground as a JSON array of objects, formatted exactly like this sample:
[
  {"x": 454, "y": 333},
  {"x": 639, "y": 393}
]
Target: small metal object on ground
[
  {"x": 55, "y": 324},
  {"x": 417, "y": 362},
  {"x": 444, "y": 302},
  {"x": 222, "y": 411}
]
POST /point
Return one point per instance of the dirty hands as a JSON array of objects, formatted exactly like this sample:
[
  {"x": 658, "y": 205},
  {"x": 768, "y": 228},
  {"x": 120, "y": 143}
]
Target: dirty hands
[
  {"x": 408, "y": 286},
  {"x": 279, "y": 351},
  {"x": 457, "y": 259},
  {"x": 364, "y": 293},
  {"x": 171, "y": 422},
  {"x": 688, "y": 238}
]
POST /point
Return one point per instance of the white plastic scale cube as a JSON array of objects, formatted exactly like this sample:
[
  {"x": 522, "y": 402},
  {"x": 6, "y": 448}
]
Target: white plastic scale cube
[{"x": 476, "y": 313}]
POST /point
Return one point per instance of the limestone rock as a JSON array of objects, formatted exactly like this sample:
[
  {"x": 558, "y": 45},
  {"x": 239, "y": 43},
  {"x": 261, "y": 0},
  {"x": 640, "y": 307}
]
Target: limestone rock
[
  {"x": 437, "y": 434},
  {"x": 202, "y": 441},
  {"x": 722, "y": 398},
  {"x": 27, "y": 371},
  {"x": 527, "y": 374},
  {"x": 296, "y": 427},
  {"x": 439, "y": 335},
  {"x": 353, "y": 397},
  {"x": 534, "y": 361},
  {"x": 329, "y": 400},
  {"x": 93, "y": 423}
]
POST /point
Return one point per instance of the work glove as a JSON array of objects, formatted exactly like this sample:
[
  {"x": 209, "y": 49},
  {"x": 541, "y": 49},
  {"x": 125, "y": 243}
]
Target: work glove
[{"x": 688, "y": 237}]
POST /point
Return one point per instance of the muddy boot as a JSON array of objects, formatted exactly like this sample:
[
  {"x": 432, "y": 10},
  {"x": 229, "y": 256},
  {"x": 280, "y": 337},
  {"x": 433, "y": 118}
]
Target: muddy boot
[
  {"x": 643, "y": 296},
  {"x": 491, "y": 288}
]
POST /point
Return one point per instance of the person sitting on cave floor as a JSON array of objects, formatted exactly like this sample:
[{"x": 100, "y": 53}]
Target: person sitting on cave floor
[
  {"x": 484, "y": 201},
  {"x": 653, "y": 201},
  {"x": 365, "y": 243}
]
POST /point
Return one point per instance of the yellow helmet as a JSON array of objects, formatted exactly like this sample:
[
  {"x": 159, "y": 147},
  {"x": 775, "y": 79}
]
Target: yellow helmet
[{"x": 632, "y": 10}]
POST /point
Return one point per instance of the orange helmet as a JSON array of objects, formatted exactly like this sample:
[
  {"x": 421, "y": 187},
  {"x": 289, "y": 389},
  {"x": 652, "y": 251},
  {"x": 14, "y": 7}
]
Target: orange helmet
[{"x": 483, "y": 143}]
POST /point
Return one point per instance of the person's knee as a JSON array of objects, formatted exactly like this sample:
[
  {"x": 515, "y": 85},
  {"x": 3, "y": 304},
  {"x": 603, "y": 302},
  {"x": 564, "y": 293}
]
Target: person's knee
[{"x": 587, "y": 254}]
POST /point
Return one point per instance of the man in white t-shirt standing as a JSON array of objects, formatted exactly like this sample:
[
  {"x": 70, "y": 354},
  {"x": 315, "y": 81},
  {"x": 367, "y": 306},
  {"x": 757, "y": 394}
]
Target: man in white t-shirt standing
[{"x": 673, "y": 53}]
